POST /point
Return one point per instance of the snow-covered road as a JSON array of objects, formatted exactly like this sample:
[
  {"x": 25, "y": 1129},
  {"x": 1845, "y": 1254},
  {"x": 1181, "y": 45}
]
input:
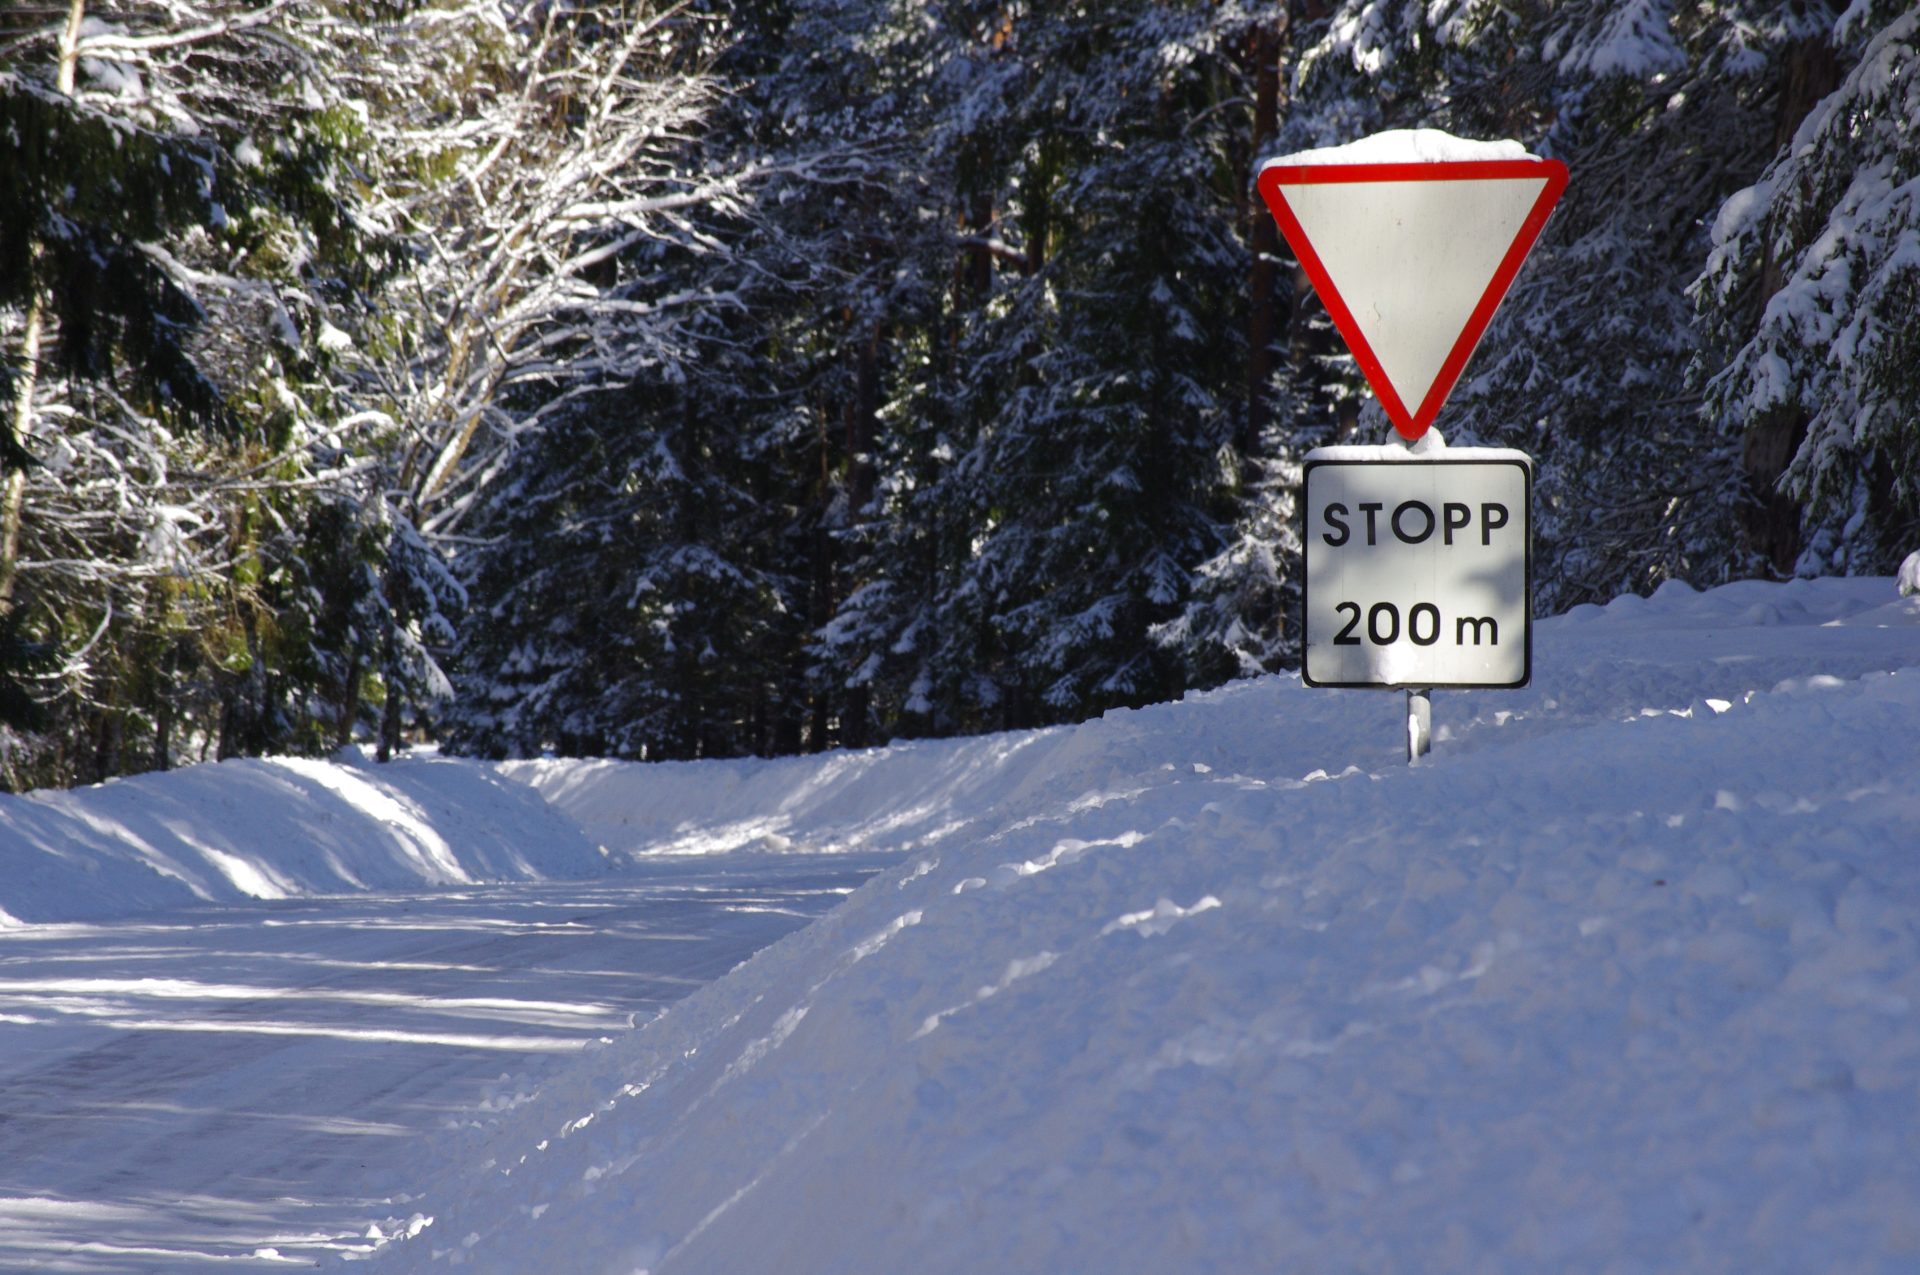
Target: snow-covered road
[{"x": 244, "y": 1084}]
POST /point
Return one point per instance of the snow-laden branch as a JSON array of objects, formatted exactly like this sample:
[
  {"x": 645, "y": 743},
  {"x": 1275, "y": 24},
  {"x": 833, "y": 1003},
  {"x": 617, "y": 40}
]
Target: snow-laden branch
[
  {"x": 108, "y": 40},
  {"x": 529, "y": 205}
]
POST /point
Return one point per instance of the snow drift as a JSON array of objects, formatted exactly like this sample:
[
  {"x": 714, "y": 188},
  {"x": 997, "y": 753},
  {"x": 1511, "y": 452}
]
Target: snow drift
[
  {"x": 273, "y": 829},
  {"x": 1624, "y": 978}
]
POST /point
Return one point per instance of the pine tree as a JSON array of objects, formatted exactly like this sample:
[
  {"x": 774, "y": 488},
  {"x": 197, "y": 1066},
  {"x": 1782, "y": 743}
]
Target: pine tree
[
  {"x": 1092, "y": 394},
  {"x": 1585, "y": 367},
  {"x": 1808, "y": 301},
  {"x": 1238, "y": 620},
  {"x": 711, "y": 497}
]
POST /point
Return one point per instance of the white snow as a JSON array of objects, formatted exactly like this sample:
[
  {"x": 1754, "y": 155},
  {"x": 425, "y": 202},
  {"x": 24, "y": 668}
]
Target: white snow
[
  {"x": 1635, "y": 39},
  {"x": 276, "y": 829},
  {"x": 1405, "y": 146},
  {"x": 332, "y": 339},
  {"x": 1623, "y": 977},
  {"x": 1429, "y": 446}
]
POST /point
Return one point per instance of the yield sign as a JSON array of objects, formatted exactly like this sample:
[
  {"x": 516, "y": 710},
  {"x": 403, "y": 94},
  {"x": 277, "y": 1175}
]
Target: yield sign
[{"x": 1411, "y": 259}]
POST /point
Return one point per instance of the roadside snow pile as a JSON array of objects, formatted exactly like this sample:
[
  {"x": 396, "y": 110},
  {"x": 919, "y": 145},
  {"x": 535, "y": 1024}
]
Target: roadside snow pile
[
  {"x": 274, "y": 829},
  {"x": 909, "y": 796},
  {"x": 1624, "y": 978}
]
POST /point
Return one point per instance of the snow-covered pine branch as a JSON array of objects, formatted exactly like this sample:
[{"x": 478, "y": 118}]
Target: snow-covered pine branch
[{"x": 1826, "y": 248}]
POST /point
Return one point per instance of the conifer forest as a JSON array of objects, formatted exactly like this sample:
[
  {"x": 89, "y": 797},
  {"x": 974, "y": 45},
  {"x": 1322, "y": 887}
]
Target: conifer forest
[{"x": 694, "y": 378}]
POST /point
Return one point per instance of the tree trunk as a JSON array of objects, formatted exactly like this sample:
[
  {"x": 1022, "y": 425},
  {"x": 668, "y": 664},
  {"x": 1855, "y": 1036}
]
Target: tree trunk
[
  {"x": 107, "y": 739},
  {"x": 349, "y": 704},
  {"x": 167, "y": 663},
  {"x": 389, "y": 721},
  {"x": 1265, "y": 238},
  {"x": 976, "y": 269},
  {"x": 163, "y": 727},
  {"x": 863, "y": 426},
  {"x": 390, "y": 658},
  {"x": 820, "y": 606},
  {"x": 1771, "y": 519},
  {"x": 244, "y": 726}
]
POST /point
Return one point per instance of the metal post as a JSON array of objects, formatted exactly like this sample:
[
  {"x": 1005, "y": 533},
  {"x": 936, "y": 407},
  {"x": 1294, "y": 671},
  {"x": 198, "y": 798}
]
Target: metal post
[{"x": 1419, "y": 723}]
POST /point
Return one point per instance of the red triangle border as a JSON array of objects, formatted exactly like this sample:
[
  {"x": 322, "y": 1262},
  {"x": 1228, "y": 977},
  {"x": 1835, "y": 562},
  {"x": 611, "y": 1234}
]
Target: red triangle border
[{"x": 1411, "y": 425}]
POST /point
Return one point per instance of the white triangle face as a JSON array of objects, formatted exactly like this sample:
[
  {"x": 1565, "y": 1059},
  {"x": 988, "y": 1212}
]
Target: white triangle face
[{"x": 1412, "y": 259}]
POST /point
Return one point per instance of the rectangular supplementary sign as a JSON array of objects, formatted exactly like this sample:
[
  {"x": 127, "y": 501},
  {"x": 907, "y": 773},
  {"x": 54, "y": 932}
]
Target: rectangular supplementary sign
[{"x": 1418, "y": 572}]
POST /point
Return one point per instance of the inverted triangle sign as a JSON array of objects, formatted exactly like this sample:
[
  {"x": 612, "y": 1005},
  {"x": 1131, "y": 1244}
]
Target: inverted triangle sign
[{"x": 1412, "y": 259}]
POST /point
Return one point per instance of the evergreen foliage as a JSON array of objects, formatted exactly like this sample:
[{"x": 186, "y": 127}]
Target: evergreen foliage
[
  {"x": 174, "y": 235},
  {"x": 1826, "y": 248}
]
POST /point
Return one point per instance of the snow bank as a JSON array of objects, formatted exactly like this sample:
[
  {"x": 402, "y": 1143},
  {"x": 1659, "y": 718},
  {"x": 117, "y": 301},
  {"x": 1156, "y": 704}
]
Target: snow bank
[
  {"x": 911, "y": 796},
  {"x": 1624, "y": 978},
  {"x": 272, "y": 829}
]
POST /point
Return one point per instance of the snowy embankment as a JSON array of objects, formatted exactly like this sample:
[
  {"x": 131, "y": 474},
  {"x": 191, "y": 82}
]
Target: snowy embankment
[
  {"x": 1623, "y": 978},
  {"x": 275, "y": 829}
]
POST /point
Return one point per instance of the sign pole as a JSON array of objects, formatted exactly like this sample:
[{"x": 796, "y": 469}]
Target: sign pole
[{"x": 1419, "y": 723}]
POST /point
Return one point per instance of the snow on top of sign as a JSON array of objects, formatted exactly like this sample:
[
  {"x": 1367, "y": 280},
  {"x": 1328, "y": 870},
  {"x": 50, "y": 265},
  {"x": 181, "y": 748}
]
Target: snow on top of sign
[
  {"x": 1393, "y": 451},
  {"x": 1431, "y": 445},
  {"x": 1405, "y": 146}
]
